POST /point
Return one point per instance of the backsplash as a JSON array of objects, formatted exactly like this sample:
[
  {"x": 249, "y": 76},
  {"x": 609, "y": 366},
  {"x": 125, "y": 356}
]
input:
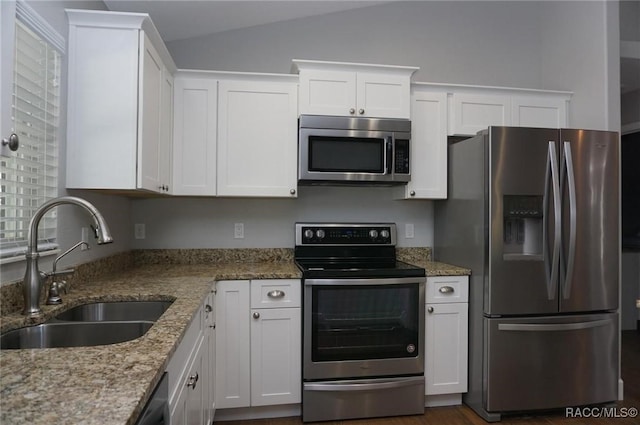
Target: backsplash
[{"x": 11, "y": 294}]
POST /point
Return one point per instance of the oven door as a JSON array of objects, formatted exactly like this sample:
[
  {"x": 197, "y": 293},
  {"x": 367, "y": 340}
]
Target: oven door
[
  {"x": 357, "y": 328},
  {"x": 347, "y": 155}
]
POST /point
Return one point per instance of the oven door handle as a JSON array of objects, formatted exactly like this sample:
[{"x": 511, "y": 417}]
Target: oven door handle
[{"x": 374, "y": 384}]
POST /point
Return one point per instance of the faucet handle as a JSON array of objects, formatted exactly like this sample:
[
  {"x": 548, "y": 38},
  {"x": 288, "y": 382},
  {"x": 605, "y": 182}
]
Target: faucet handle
[{"x": 54, "y": 292}]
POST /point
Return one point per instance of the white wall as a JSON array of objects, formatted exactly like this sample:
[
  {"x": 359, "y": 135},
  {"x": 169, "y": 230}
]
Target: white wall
[
  {"x": 209, "y": 223},
  {"x": 474, "y": 42}
]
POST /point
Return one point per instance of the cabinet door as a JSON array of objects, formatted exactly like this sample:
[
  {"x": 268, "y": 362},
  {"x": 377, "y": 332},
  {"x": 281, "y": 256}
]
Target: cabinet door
[
  {"x": 196, "y": 383},
  {"x": 428, "y": 146},
  {"x": 446, "y": 345},
  {"x": 475, "y": 112},
  {"x": 102, "y": 109},
  {"x": 275, "y": 356},
  {"x": 149, "y": 117},
  {"x": 188, "y": 407},
  {"x": 539, "y": 111},
  {"x": 381, "y": 95},
  {"x": 208, "y": 360},
  {"x": 233, "y": 380},
  {"x": 257, "y": 139},
  {"x": 194, "y": 141},
  {"x": 166, "y": 132},
  {"x": 328, "y": 92}
]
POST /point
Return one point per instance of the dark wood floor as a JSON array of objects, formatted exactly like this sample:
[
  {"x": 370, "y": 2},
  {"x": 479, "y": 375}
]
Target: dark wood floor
[{"x": 462, "y": 415}]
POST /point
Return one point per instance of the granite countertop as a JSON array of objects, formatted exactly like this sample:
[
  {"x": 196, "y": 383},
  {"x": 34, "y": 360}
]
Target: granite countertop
[{"x": 110, "y": 384}]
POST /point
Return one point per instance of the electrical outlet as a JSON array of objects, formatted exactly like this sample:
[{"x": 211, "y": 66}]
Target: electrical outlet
[
  {"x": 139, "y": 231},
  {"x": 84, "y": 238},
  {"x": 408, "y": 230},
  {"x": 238, "y": 231}
]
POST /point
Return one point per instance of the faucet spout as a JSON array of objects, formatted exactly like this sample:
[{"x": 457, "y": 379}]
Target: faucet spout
[{"x": 33, "y": 277}]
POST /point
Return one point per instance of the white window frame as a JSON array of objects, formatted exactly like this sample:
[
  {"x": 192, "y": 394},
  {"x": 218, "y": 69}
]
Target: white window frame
[{"x": 13, "y": 249}]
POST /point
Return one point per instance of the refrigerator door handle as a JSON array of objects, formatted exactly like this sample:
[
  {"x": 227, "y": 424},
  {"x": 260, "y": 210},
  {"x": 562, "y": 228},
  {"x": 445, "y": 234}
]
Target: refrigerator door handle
[
  {"x": 551, "y": 264},
  {"x": 533, "y": 327},
  {"x": 571, "y": 183}
]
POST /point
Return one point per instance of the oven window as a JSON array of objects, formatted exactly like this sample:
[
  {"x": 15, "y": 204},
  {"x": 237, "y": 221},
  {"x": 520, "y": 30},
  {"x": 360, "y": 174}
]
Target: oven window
[
  {"x": 346, "y": 154},
  {"x": 364, "y": 322}
]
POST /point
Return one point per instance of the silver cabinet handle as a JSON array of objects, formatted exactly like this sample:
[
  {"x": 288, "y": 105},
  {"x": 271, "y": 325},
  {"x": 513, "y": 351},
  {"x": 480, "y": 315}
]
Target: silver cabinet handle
[
  {"x": 430, "y": 309},
  {"x": 208, "y": 308},
  {"x": 256, "y": 315},
  {"x": 361, "y": 111},
  {"x": 292, "y": 191},
  {"x": 193, "y": 380},
  {"x": 276, "y": 293},
  {"x": 352, "y": 111},
  {"x": 446, "y": 290},
  {"x": 13, "y": 142},
  {"x": 412, "y": 193}
]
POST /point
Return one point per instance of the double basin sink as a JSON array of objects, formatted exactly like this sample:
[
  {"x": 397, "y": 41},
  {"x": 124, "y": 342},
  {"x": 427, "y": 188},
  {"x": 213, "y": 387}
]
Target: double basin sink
[{"x": 99, "y": 323}]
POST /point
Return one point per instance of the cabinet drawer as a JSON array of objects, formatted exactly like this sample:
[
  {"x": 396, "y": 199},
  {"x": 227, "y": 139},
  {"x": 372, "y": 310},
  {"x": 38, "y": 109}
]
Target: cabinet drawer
[
  {"x": 447, "y": 289},
  {"x": 275, "y": 293}
]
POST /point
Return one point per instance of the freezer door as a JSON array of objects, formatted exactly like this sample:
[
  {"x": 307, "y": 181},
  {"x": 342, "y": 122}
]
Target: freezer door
[
  {"x": 547, "y": 363},
  {"x": 524, "y": 212},
  {"x": 590, "y": 210}
]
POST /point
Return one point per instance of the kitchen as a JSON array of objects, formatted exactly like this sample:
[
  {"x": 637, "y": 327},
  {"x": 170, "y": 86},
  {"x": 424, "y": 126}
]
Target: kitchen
[{"x": 481, "y": 50}]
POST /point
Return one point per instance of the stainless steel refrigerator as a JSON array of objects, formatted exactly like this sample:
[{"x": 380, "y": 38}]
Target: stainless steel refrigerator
[{"x": 535, "y": 214}]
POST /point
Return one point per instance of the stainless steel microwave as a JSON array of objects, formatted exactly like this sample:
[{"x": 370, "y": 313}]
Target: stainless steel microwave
[{"x": 334, "y": 149}]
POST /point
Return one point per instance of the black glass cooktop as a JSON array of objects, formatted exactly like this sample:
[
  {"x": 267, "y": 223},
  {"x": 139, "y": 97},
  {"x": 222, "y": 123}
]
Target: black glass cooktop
[{"x": 358, "y": 269}]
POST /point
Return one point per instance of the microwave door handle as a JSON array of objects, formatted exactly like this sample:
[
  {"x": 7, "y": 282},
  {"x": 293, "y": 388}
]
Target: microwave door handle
[{"x": 388, "y": 155}]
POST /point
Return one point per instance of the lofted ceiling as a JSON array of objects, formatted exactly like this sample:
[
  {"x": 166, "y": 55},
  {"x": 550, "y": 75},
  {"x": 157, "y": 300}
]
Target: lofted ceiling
[{"x": 182, "y": 19}]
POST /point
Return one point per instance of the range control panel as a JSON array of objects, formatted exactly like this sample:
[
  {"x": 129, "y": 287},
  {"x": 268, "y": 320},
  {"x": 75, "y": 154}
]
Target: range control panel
[{"x": 345, "y": 234}]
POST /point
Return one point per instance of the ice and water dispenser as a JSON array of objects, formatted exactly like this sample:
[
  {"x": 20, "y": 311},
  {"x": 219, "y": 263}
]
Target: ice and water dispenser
[{"x": 522, "y": 233}]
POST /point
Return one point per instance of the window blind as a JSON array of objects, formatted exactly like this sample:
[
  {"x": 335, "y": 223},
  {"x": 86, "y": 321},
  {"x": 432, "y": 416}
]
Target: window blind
[{"x": 30, "y": 176}]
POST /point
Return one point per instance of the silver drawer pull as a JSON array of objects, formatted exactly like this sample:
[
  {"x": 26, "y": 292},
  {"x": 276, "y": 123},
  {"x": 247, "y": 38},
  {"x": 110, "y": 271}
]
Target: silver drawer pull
[
  {"x": 193, "y": 380},
  {"x": 276, "y": 293},
  {"x": 446, "y": 290}
]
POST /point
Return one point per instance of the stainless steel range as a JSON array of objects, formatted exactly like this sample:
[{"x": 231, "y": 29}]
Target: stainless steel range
[{"x": 363, "y": 323}]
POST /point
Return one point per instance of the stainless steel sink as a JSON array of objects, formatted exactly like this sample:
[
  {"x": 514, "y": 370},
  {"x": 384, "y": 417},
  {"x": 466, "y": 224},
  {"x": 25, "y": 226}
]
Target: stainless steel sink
[
  {"x": 116, "y": 311},
  {"x": 73, "y": 334}
]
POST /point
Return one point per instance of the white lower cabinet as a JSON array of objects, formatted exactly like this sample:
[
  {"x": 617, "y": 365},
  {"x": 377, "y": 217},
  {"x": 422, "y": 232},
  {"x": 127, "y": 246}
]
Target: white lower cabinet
[
  {"x": 446, "y": 340},
  {"x": 258, "y": 343},
  {"x": 190, "y": 372},
  {"x": 209, "y": 357}
]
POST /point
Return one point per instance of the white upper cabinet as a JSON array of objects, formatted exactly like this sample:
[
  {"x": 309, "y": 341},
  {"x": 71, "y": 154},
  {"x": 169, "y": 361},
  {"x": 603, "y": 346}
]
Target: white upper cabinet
[
  {"x": 195, "y": 135},
  {"x": 119, "y": 103},
  {"x": 257, "y": 138},
  {"x": 474, "y": 108},
  {"x": 534, "y": 110},
  {"x": 428, "y": 145},
  {"x": 334, "y": 88},
  {"x": 474, "y": 112}
]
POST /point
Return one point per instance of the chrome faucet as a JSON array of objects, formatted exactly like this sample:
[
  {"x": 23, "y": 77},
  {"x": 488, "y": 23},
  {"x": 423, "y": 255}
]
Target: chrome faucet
[
  {"x": 60, "y": 285},
  {"x": 33, "y": 277}
]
